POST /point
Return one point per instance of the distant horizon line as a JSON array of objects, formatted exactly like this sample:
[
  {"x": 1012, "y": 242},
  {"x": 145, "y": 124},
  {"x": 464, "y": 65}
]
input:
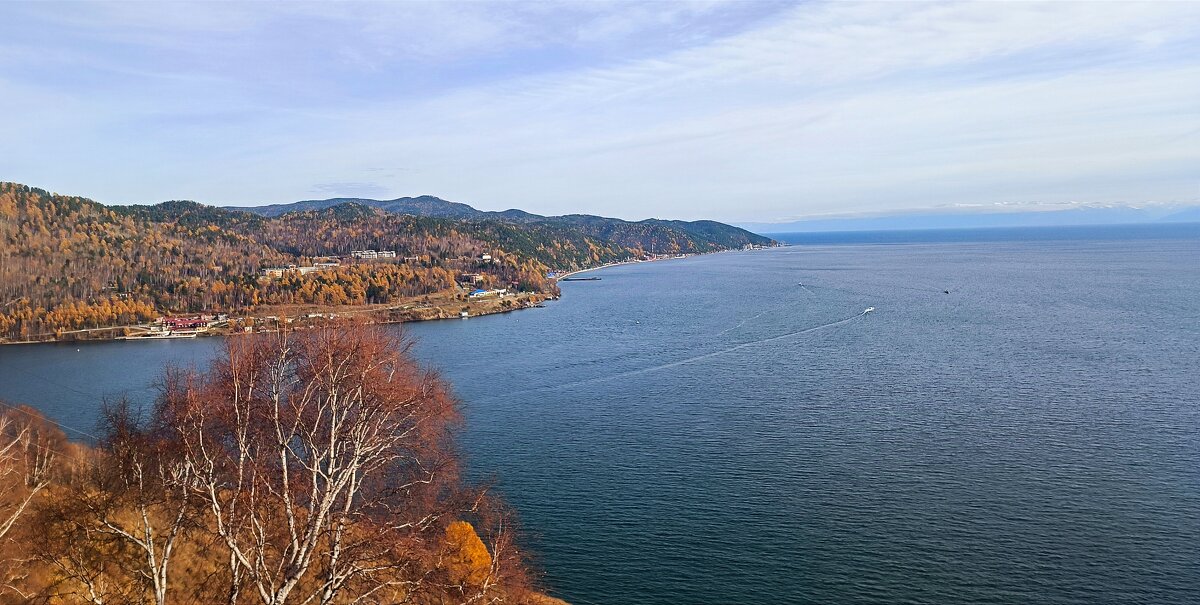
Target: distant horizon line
[
  {"x": 997, "y": 210},
  {"x": 986, "y": 228}
]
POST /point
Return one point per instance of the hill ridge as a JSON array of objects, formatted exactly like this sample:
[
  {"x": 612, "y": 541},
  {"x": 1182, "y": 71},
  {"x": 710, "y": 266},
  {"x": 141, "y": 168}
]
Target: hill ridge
[
  {"x": 716, "y": 232},
  {"x": 120, "y": 265}
]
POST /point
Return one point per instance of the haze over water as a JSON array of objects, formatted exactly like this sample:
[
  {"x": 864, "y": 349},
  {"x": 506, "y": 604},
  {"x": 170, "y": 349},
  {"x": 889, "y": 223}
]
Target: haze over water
[{"x": 732, "y": 428}]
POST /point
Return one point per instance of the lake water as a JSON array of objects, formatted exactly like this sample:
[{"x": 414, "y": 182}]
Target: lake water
[{"x": 732, "y": 428}]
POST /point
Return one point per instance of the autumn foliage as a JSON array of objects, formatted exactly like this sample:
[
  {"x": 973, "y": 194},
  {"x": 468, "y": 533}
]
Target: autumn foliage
[
  {"x": 315, "y": 467},
  {"x": 67, "y": 263}
]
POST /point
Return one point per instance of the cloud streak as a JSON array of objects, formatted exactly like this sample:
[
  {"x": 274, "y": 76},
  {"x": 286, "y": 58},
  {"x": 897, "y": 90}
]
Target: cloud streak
[
  {"x": 735, "y": 111},
  {"x": 351, "y": 189}
]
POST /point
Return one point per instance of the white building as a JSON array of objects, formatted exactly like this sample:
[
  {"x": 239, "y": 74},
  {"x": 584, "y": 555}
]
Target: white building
[
  {"x": 277, "y": 272},
  {"x": 373, "y": 254}
]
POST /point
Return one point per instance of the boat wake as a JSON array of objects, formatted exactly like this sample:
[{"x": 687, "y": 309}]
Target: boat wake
[
  {"x": 761, "y": 313},
  {"x": 842, "y": 290},
  {"x": 737, "y": 347},
  {"x": 752, "y": 318},
  {"x": 680, "y": 362}
]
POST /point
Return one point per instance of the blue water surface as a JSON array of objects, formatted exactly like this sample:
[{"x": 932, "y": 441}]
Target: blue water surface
[{"x": 1017, "y": 421}]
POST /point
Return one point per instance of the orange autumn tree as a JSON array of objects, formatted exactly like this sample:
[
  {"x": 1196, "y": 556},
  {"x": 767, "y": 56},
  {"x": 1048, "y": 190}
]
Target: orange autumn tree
[
  {"x": 468, "y": 561},
  {"x": 326, "y": 464},
  {"x": 313, "y": 467}
]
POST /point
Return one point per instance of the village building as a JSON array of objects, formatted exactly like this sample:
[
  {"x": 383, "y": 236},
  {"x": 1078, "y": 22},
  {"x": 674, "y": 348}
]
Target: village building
[
  {"x": 481, "y": 293},
  {"x": 372, "y": 254},
  {"x": 277, "y": 272},
  {"x": 185, "y": 323}
]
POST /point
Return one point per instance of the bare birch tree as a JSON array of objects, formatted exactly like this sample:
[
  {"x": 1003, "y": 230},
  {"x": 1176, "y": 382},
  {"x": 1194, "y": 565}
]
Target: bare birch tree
[
  {"x": 27, "y": 456},
  {"x": 310, "y": 468},
  {"x": 323, "y": 458},
  {"x": 25, "y": 463},
  {"x": 119, "y": 522}
]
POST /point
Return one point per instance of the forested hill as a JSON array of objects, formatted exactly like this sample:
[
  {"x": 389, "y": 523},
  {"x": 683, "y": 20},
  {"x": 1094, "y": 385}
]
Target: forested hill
[
  {"x": 626, "y": 233},
  {"x": 68, "y": 263}
]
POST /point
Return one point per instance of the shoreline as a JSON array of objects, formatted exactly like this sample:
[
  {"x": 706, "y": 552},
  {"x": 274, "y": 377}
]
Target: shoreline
[
  {"x": 403, "y": 312},
  {"x": 396, "y": 314},
  {"x": 560, "y": 277}
]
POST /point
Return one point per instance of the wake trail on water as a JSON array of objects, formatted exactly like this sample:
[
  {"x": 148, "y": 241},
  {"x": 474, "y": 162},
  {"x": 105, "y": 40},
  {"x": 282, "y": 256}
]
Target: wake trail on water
[
  {"x": 737, "y": 347},
  {"x": 874, "y": 295},
  {"x": 924, "y": 290},
  {"x": 646, "y": 370},
  {"x": 750, "y": 319},
  {"x": 760, "y": 314}
]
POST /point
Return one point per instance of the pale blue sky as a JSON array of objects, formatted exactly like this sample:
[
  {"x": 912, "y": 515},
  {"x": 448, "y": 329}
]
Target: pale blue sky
[{"x": 738, "y": 111}]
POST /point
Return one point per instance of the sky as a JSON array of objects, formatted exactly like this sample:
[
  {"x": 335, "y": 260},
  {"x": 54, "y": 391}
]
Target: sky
[{"x": 734, "y": 111}]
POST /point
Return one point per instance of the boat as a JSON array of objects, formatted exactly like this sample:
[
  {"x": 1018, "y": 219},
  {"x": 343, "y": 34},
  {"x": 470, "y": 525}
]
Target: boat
[
  {"x": 868, "y": 310},
  {"x": 580, "y": 279}
]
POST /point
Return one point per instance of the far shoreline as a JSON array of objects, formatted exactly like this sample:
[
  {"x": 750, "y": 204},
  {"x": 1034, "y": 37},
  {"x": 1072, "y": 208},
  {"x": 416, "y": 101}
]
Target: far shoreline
[
  {"x": 560, "y": 277},
  {"x": 435, "y": 312},
  {"x": 410, "y": 314}
]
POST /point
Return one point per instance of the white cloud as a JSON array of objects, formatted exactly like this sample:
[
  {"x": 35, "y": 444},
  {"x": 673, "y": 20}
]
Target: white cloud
[{"x": 822, "y": 108}]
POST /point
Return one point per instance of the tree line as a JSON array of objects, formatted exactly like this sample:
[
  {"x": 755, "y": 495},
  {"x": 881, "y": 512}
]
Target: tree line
[{"x": 68, "y": 263}]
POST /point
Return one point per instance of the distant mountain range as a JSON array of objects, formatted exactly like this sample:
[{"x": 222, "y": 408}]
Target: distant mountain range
[
  {"x": 704, "y": 235},
  {"x": 423, "y": 205},
  {"x": 1115, "y": 215}
]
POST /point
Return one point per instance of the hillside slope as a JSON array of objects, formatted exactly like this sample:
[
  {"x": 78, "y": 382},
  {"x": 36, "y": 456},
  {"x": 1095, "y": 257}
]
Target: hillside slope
[
  {"x": 653, "y": 235},
  {"x": 68, "y": 263}
]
